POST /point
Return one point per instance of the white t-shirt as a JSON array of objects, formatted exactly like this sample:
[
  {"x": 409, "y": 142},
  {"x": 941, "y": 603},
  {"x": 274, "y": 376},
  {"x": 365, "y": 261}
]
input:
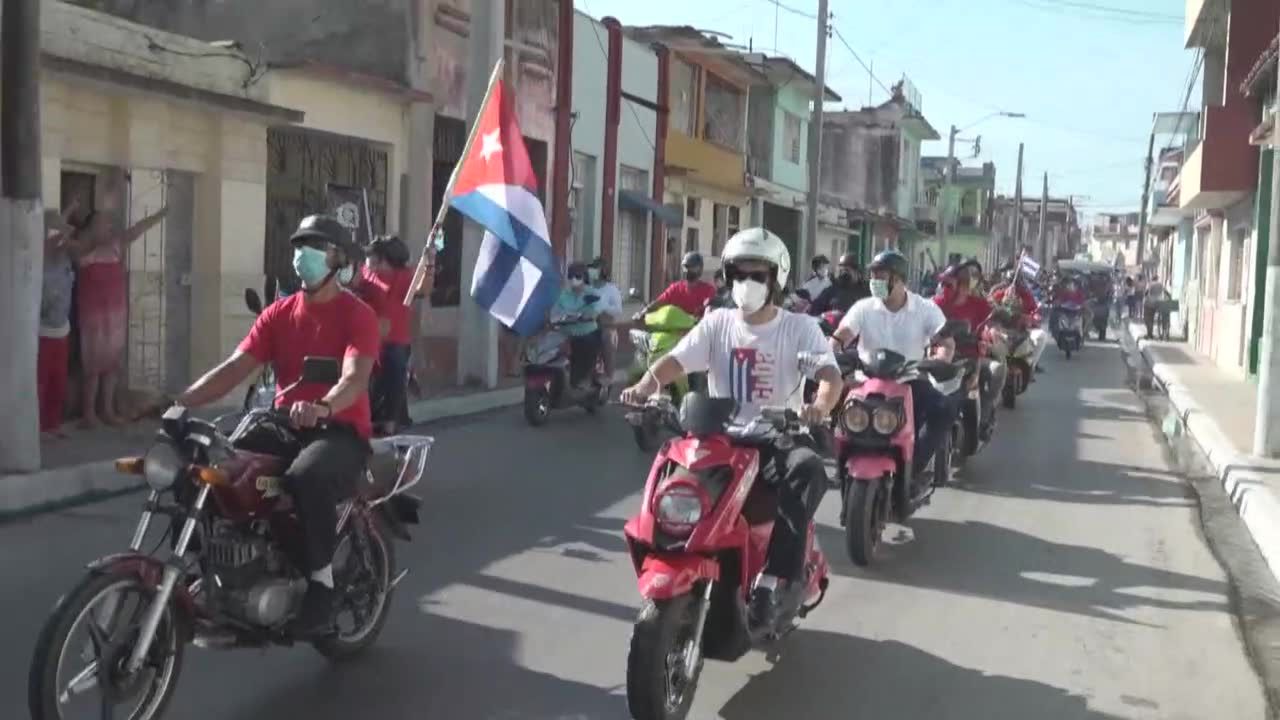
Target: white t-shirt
[
  {"x": 906, "y": 332},
  {"x": 757, "y": 365},
  {"x": 610, "y": 299},
  {"x": 815, "y": 285}
]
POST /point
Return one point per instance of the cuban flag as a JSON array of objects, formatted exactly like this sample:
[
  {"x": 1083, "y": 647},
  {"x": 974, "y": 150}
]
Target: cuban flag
[{"x": 516, "y": 277}]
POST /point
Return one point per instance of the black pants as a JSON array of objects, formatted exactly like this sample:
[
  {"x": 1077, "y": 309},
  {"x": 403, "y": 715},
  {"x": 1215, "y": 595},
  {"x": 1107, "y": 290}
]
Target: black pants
[
  {"x": 389, "y": 386},
  {"x": 323, "y": 474},
  {"x": 800, "y": 479},
  {"x": 936, "y": 411},
  {"x": 583, "y": 352}
]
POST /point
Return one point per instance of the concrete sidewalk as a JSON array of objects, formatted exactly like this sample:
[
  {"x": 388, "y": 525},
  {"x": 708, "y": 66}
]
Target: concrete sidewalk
[
  {"x": 1216, "y": 410},
  {"x": 81, "y": 468}
]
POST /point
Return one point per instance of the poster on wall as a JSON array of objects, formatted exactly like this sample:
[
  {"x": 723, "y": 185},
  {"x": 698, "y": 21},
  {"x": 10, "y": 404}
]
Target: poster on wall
[{"x": 350, "y": 205}]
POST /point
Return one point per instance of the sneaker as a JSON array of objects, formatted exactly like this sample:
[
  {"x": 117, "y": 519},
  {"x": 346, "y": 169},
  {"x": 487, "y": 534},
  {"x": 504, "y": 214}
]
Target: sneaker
[{"x": 315, "y": 616}]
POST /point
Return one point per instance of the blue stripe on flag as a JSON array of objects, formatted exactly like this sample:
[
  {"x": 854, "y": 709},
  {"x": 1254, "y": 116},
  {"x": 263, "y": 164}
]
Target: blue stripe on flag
[
  {"x": 533, "y": 316},
  {"x": 507, "y": 228}
]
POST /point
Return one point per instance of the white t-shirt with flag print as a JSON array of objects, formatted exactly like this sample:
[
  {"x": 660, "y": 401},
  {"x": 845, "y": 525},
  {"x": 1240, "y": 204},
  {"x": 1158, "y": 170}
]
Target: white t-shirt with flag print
[{"x": 756, "y": 365}]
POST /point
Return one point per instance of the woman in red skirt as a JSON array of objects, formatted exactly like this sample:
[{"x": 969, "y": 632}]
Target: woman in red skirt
[{"x": 102, "y": 301}]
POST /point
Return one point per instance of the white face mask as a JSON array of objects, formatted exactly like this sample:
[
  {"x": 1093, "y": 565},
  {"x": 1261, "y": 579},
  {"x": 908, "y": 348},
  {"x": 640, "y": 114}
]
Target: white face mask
[
  {"x": 346, "y": 275},
  {"x": 749, "y": 295},
  {"x": 824, "y": 271},
  {"x": 575, "y": 283},
  {"x": 879, "y": 288}
]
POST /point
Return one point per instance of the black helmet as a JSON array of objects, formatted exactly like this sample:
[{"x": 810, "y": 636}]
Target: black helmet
[
  {"x": 390, "y": 248},
  {"x": 328, "y": 230},
  {"x": 893, "y": 261},
  {"x": 849, "y": 260},
  {"x": 819, "y": 261},
  {"x": 692, "y": 260}
]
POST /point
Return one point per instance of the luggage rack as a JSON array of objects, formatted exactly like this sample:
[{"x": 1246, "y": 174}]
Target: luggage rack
[{"x": 411, "y": 450}]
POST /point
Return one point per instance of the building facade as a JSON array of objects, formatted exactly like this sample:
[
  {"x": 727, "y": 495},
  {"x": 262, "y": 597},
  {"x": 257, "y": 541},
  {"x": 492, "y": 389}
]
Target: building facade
[{"x": 969, "y": 204}]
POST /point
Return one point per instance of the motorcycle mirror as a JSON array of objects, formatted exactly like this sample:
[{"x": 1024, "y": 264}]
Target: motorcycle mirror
[
  {"x": 252, "y": 301},
  {"x": 321, "y": 370}
]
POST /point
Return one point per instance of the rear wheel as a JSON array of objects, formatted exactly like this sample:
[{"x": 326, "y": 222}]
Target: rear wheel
[
  {"x": 660, "y": 686},
  {"x": 537, "y": 407},
  {"x": 863, "y": 520},
  {"x": 364, "y": 566}
]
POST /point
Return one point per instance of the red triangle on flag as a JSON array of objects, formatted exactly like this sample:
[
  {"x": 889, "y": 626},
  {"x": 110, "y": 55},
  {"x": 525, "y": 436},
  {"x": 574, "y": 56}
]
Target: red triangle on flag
[{"x": 497, "y": 155}]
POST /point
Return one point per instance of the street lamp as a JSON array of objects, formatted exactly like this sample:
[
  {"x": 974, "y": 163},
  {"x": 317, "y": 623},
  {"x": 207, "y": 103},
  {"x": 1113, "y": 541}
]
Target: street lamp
[{"x": 948, "y": 173}]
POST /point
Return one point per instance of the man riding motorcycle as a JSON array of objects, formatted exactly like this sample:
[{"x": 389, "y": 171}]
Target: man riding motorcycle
[
  {"x": 585, "y": 339},
  {"x": 323, "y": 320},
  {"x": 959, "y": 300},
  {"x": 691, "y": 294},
  {"x": 894, "y": 318},
  {"x": 847, "y": 288},
  {"x": 1014, "y": 291},
  {"x": 749, "y": 354}
]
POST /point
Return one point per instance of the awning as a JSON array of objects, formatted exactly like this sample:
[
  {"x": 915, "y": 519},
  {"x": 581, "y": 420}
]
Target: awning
[{"x": 636, "y": 200}]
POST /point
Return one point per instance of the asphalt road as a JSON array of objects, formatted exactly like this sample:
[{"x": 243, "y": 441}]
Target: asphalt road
[{"x": 1064, "y": 576}]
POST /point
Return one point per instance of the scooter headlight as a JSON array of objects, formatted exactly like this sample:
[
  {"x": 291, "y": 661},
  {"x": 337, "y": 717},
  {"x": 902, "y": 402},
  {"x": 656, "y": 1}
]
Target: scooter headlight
[
  {"x": 678, "y": 508},
  {"x": 885, "y": 420},
  {"x": 855, "y": 417}
]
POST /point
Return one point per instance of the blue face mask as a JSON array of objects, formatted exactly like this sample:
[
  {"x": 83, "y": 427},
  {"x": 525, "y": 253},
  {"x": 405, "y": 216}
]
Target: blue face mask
[{"x": 311, "y": 265}]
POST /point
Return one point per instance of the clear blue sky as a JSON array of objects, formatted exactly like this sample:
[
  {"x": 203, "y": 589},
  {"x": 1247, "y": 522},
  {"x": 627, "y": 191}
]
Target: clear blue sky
[{"x": 1088, "y": 80}]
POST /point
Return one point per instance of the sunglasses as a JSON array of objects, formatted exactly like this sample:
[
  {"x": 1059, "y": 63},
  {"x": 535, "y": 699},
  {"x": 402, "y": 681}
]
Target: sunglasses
[{"x": 760, "y": 276}]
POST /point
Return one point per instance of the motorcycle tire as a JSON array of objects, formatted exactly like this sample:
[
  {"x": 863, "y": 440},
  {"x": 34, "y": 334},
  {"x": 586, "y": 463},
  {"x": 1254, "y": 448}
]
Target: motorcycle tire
[
  {"x": 863, "y": 520},
  {"x": 42, "y": 690},
  {"x": 654, "y": 637},
  {"x": 942, "y": 462},
  {"x": 647, "y": 435},
  {"x": 537, "y": 407},
  {"x": 337, "y": 647},
  {"x": 1009, "y": 396}
]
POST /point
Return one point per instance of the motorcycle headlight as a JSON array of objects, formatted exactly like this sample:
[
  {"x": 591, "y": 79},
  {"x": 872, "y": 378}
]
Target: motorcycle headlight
[
  {"x": 161, "y": 465},
  {"x": 885, "y": 420},
  {"x": 678, "y": 509},
  {"x": 855, "y": 417}
]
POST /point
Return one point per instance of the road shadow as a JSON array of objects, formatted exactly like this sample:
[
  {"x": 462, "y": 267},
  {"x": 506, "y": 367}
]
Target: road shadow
[
  {"x": 979, "y": 559},
  {"x": 828, "y": 675},
  {"x": 1091, "y": 483},
  {"x": 433, "y": 668}
]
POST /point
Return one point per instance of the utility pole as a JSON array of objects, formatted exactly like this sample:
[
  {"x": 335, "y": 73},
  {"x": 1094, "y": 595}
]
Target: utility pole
[
  {"x": 947, "y": 177},
  {"x": 1266, "y": 425},
  {"x": 477, "y": 330},
  {"x": 1017, "y": 214},
  {"x": 815, "y": 139},
  {"x": 21, "y": 232},
  {"x": 1146, "y": 195},
  {"x": 1042, "y": 240}
]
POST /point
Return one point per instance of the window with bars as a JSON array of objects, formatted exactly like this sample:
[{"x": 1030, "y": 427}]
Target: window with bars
[
  {"x": 684, "y": 96},
  {"x": 723, "y": 121},
  {"x": 792, "y": 132},
  {"x": 1235, "y": 265}
]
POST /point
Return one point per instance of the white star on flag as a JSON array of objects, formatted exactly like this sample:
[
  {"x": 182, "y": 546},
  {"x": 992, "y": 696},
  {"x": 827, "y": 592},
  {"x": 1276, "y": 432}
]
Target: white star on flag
[{"x": 489, "y": 145}]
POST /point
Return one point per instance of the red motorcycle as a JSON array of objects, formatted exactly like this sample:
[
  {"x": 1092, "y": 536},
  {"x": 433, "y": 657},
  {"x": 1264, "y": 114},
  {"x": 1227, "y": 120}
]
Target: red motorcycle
[
  {"x": 698, "y": 543},
  {"x": 231, "y": 578}
]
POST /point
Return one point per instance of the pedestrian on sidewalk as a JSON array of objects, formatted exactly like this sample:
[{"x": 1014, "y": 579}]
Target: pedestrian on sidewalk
[
  {"x": 389, "y": 262},
  {"x": 102, "y": 307},
  {"x": 56, "y": 290},
  {"x": 1153, "y": 304}
]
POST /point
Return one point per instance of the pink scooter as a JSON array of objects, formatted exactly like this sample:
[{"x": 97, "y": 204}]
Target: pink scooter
[{"x": 875, "y": 441}]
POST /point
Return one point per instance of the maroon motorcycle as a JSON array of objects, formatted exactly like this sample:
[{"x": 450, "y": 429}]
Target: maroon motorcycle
[{"x": 231, "y": 577}]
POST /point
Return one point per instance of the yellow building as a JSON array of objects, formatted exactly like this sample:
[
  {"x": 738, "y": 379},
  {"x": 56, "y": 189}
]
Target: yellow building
[{"x": 139, "y": 118}]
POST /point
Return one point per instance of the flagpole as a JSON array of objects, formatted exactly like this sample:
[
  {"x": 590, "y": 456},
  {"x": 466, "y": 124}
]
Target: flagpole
[{"x": 420, "y": 274}]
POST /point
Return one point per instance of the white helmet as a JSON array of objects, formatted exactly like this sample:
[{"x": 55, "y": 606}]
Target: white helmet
[{"x": 756, "y": 243}]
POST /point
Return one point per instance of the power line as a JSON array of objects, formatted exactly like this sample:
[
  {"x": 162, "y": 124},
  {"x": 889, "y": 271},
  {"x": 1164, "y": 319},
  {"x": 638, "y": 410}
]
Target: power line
[
  {"x": 595, "y": 28},
  {"x": 794, "y": 11},
  {"x": 1129, "y": 12},
  {"x": 839, "y": 35}
]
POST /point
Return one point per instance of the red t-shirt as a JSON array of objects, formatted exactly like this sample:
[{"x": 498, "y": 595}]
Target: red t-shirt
[
  {"x": 691, "y": 297},
  {"x": 1071, "y": 297},
  {"x": 973, "y": 308},
  {"x": 293, "y": 328},
  {"x": 371, "y": 290},
  {"x": 395, "y": 285}
]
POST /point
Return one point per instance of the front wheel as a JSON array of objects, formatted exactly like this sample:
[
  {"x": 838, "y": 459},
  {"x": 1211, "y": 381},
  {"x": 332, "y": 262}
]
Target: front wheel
[
  {"x": 660, "y": 686},
  {"x": 646, "y": 434},
  {"x": 1009, "y": 394},
  {"x": 863, "y": 520},
  {"x": 67, "y": 666},
  {"x": 537, "y": 407}
]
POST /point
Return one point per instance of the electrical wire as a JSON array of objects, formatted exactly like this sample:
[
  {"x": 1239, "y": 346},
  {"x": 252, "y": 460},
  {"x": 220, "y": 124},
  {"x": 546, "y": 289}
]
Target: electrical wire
[
  {"x": 1120, "y": 11},
  {"x": 595, "y": 30},
  {"x": 840, "y": 36},
  {"x": 792, "y": 10}
]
